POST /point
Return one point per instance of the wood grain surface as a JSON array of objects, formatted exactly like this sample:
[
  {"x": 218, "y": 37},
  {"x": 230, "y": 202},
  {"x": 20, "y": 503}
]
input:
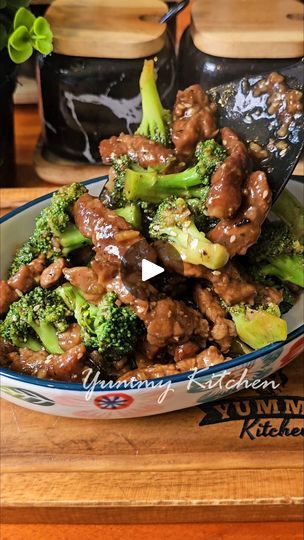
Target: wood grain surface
[
  {"x": 155, "y": 469},
  {"x": 241, "y": 29},
  {"x": 195, "y": 531},
  {"x": 107, "y": 29}
]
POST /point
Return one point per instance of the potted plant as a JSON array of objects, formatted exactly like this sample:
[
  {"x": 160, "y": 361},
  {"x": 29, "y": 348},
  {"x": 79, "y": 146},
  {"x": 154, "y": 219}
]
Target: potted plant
[{"x": 20, "y": 33}]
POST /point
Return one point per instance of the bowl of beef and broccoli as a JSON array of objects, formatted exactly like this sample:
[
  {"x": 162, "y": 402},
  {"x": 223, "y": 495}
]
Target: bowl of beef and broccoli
[{"x": 181, "y": 193}]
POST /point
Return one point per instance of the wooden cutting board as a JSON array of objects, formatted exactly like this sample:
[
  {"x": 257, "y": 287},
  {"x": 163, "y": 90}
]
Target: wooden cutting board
[{"x": 186, "y": 466}]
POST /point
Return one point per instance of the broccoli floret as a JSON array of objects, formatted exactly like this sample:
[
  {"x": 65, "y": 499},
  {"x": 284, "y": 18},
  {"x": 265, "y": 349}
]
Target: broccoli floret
[
  {"x": 116, "y": 192},
  {"x": 35, "y": 320},
  {"x": 258, "y": 326},
  {"x": 132, "y": 214},
  {"x": 16, "y": 331},
  {"x": 156, "y": 120},
  {"x": 132, "y": 183},
  {"x": 199, "y": 212},
  {"x": 109, "y": 328},
  {"x": 153, "y": 187},
  {"x": 55, "y": 235},
  {"x": 288, "y": 299},
  {"x": 277, "y": 253},
  {"x": 291, "y": 211},
  {"x": 173, "y": 223}
]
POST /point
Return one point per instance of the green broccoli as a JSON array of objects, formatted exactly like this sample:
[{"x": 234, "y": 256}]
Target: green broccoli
[
  {"x": 132, "y": 214},
  {"x": 197, "y": 205},
  {"x": 35, "y": 319},
  {"x": 115, "y": 193},
  {"x": 109, "y": 328},
  {"x": 174, "y": 223},
  {"x": 156, "y": 120},
  {"x": 133, "y": 184},
  {"x": 258, "y": 326},
  {"x": 289, "y": 299},
  {"x": 55, "y": 235},
  {"x": 289, "y": 209},
  {"x": 277, "y": 253}
]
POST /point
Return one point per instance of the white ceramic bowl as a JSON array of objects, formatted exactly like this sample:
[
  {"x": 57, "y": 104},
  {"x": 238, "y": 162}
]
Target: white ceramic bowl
[{"x": 145, "y": 398}]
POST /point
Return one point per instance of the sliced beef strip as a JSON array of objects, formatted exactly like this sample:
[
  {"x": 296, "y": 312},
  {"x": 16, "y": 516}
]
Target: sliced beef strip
[
  {"x": 140, "y": 149},
  {"x": 208, "y": 357},
  {"x": 205, "y": 359},
  {"x": 223, "y": 329},
  {"x": 5, "y": 349},
  {"x": 225, "y": 194},
  {"x": 63, "y": 367},
  {"x": 171, "y": 321},
  {"x": 231, "y": 285},
  {"x": 25, "y": 360},
  {"x": 268, "y": 295},
  {"x": 154, "y": 371},
  {"x": 86, "y": 279},
  {"x": 8, "y": 295},
  {"x": 242, "y": 231},
  {"x": 186, "y": 350},
  {"x": 52, "y": 274},
  {"x": 27, "y": 277},
  {"x": 111, "y": 235},
  {"x": 193, "y": 120},
  {"x": 227, "y": 282},
  {"x": 70, "y": 338}
]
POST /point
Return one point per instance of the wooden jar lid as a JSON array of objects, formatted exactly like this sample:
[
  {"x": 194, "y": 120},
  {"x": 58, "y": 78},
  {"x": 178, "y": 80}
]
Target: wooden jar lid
[
  {"x": 248, "y": 28},
  {"x": 107, "y": 28}
]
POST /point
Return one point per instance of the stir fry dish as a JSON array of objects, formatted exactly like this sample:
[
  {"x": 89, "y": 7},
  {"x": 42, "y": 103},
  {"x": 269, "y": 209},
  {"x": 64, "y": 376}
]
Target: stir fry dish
[{"x": 181, "y": 194}]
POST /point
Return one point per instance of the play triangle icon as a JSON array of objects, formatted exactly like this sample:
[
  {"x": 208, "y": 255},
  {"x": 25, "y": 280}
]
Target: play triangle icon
[{"x": 150, "y": 270}]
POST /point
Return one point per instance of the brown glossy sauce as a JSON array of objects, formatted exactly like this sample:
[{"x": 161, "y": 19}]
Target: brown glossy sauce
[{"x": 285, "y": 104}]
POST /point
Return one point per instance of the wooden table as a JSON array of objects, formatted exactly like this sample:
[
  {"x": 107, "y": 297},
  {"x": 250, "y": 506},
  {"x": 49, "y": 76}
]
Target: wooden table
[{"x": 27, "y": 130}]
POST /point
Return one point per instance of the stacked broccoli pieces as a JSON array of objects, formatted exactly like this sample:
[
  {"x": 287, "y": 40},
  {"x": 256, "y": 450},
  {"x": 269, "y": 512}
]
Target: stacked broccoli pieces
[
  {"x": 55, "y": 235},
  {"x": 174, "y": 224},
  {"x": 35, "y": 320},
  {"x": 108, "y": 327}
]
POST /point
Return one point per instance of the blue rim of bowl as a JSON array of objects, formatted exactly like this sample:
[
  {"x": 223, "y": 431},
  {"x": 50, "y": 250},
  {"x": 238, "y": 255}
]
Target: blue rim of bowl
[{"x": 58, "y": 385}]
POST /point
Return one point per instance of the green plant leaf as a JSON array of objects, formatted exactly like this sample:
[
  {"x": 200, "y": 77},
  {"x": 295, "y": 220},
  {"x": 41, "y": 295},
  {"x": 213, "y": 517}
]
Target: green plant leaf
[
  {"x": 41, "y": 29},
  {"x": 44, "y": 46},
  {"x": 25, "y": 18},
  {"x": 19, "y": 45}
]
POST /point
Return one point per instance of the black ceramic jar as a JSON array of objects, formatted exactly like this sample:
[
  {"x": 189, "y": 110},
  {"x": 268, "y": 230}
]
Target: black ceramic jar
[
  {"x": 197, "y": 67},
  {"x": 84, "y": 100},
  {"x": 7, "y": 153}
]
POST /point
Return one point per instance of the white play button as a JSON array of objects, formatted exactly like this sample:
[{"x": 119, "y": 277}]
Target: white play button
[{"x": 150, "y": 270}]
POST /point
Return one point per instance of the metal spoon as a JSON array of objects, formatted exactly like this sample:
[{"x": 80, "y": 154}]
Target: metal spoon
[{"x": 249, "y": 115}]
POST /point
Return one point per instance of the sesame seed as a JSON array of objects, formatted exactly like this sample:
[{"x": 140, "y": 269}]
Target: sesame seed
[
  {"x": 232, "y": 239},
  {"x": 216, "y": 273},
  {"x": 265, "y": 194}
]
